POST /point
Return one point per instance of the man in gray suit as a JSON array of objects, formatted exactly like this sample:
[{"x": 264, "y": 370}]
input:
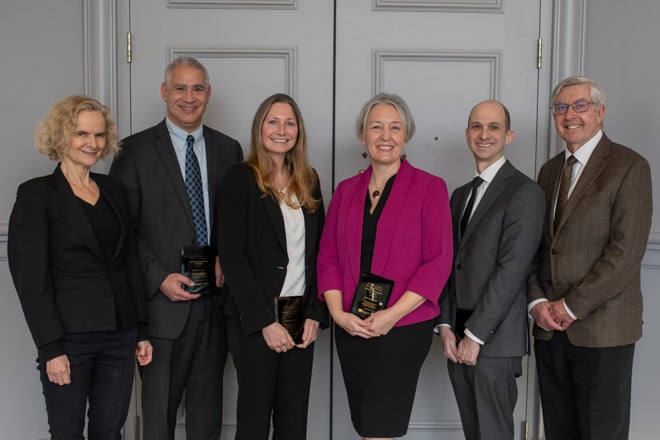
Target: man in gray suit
[
  {"x": 585, "y": 293},
  {"x": 497, "y": 223},
  {"x": 186, "y": 329}
]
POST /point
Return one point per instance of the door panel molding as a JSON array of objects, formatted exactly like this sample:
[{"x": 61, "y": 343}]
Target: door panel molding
[
  {"x": 235, "y": 4},
  {"x": 487, "y": 6},
  {"x": 287, "y": 57},
  {"x": 490, "y": 58}
]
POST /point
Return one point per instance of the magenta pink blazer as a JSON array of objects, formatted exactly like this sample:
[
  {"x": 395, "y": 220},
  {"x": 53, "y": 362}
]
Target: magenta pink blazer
[{"x": 413, "y": 240}]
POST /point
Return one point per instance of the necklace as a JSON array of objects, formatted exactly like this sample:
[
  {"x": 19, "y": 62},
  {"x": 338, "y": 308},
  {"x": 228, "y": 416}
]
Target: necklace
[{"x": 375, "y": 194}]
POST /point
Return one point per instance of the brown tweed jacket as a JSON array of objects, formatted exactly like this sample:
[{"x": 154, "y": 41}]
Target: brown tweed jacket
[{"x": 593, "y": 260}]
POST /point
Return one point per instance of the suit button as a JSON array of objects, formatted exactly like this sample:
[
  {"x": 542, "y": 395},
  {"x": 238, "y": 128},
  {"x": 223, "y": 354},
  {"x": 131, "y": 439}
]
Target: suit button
[
  {"x": 554, "y": 251},
  {"x": 458, "y": 267}
]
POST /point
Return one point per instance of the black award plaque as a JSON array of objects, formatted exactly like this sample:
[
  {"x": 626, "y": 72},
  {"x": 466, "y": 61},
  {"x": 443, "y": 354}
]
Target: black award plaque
[
  {"x": 289, "y": 313},
  {"x": 198, "y": 264},
  {"x": 371, "y": 295}
]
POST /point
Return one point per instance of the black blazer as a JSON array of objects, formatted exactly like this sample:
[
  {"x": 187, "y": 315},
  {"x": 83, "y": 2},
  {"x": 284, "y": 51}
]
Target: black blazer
[
  {"x": 63, "y": 279},
  {"x": 252, "y": 249},
  {"x": 159, "y": 207}
]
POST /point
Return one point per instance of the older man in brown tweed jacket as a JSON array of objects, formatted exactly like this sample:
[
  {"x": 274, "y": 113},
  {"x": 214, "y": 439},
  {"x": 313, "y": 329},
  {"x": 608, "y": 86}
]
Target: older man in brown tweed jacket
[{"x": 584, "y": 292}]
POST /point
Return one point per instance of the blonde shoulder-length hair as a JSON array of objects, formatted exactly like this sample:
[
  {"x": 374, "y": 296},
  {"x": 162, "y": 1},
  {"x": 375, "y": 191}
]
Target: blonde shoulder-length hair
[
  {"x": 303, "y": 177},
  {"x": 53, "y": 135}
]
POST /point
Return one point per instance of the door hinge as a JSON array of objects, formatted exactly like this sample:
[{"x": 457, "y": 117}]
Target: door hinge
[
  {"x": 539, "y": 53},
  {"x": 525, "y": 430},
  {"x": 129, "y": 47}
]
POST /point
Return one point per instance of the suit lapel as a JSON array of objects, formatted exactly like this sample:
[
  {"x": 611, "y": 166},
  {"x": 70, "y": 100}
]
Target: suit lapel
[
  {"x": 493, "y": 191},
  {"x": 74, "y": 216},
  {"x": 165, "y": 150},
  {"x": 550, "y": 187},
  {"x": 597, "y": 162},
  {"x": 276, "y": 219},
  {"x": 114, "y": 205},
  {"x": 355, "y": 222},
  {"x": 211, "y": 169},
  {"x": 389, "y": 217}
]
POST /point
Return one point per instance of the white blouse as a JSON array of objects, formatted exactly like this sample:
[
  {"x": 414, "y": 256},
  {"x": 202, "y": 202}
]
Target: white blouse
[{"x": 294, "y": 228}]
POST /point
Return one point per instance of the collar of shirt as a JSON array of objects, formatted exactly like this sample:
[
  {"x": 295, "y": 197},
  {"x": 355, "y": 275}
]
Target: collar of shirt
[
  {"x": 179, "y": 135},
  {"x": 487, "y": 176}
]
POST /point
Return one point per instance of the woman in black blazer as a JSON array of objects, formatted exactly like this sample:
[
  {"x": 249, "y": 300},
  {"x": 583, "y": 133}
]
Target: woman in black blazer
[
  {"x": 73, "y": 259},
  {"x": 270, "y": 215}
]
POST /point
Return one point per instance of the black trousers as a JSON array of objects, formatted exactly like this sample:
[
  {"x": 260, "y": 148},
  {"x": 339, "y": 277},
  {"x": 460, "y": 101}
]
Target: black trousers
[
  {"x": 270, "y": 386},
  {"x": 194, "y": 363},
  {"x": 102, "y": 371},
  {"x": 585, "y": 392}
]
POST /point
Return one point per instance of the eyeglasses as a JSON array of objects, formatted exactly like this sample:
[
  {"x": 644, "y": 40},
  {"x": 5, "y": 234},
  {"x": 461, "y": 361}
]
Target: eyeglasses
[{"x": 578, "y": 107}]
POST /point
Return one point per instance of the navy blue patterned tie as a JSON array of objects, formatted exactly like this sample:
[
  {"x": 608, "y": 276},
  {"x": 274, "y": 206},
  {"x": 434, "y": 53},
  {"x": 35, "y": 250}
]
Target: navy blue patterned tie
[{"x": 194, "y": 189}]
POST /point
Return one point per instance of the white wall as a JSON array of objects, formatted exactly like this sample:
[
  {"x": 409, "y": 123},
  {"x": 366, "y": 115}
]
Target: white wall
[
  {"x": 621, "y": 54},
  {"x": 41, "y": 47}
]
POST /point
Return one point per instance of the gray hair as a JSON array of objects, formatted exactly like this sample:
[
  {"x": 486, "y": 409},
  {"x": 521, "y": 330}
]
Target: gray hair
[
  {"x": 388, "y": 99},
  {"x": 595, "y": 91},
  {"x": 185, "y": 61}
]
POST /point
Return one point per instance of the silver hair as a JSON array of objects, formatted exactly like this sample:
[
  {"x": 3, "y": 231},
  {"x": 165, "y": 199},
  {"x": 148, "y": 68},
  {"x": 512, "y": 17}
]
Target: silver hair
[
  {"x": 595, "y": 91},
  {"x": 185, "y": 61},
  {"x": 388, "y": 99}
]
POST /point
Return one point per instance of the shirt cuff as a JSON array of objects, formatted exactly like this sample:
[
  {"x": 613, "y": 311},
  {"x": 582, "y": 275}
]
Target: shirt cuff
[
  {"x": 569, "y": 311},
  {"x": 471, "y": 335},
  {"x": 436, "y": 329},
  {"x": 531, "y": 305}
]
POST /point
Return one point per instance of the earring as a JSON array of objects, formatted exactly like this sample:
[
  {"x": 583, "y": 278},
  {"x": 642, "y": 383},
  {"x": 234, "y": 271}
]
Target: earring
[{"x": 364, "y": 154}]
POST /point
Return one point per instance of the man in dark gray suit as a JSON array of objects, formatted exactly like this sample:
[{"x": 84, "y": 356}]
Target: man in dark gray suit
[
  {"x": 186, "y": 329},
  {"x": 497, "y": 221}
]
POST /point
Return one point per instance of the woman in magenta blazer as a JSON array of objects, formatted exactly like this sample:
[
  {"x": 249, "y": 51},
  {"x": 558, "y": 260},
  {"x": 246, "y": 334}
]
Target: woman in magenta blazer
[{"x": 392, "y": 221}]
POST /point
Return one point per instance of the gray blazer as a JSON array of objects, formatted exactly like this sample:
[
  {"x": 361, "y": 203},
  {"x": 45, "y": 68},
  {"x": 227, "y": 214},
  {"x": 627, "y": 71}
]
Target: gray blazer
[
  {"x": 492, "y": 260},
  {"x": 160, "y": 211}
]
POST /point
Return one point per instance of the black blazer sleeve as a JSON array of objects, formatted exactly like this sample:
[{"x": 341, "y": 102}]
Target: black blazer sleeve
[{"x": 28, "y": 253}]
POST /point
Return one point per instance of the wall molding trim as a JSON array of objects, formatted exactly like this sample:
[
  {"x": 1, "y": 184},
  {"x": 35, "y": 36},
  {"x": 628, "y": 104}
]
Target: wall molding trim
[
  {"x": 567, "y": 53},
  {"x": 474, "y": 6},
  {"x": 101, "y": 52},
  {"x": 491, "y": 58},
  {"x": 232, "y": 4},
  {"x": 286, "y": 55}
]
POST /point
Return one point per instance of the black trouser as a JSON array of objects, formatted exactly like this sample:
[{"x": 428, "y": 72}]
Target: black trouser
[
  {"x": 102, "y": 370},
  {"x": 585, "y": 392}
]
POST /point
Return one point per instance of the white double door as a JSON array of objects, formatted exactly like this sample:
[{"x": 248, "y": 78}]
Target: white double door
[{"x": 442, "y": 57}]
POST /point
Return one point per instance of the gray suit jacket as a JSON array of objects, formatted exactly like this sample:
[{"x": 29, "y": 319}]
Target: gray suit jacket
[
  {"x": 492, "y": 259},
  {"x": 594, "y": 258},
  {"x": 160, "y": 211}
]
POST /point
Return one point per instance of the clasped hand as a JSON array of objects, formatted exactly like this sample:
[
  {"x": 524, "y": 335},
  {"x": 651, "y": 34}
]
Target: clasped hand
[
  {"x": 466, "y": 351},
  {"x": 551, "y": 315},
  {"x": 377, "y": 324}
]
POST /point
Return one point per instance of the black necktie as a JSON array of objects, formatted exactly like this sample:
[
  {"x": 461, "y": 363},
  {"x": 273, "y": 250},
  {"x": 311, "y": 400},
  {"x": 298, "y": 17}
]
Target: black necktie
[
  {"x": 564, "y": 185},
  {"x": 194, "y": 189},
  {"x": 468, "y": 209}
]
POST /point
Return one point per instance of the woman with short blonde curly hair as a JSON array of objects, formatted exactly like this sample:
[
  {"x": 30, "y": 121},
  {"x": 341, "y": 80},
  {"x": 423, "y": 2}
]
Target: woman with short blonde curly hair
[
  {"x": 54, "y": 133},
  {"x": 74, "y": 261}
]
